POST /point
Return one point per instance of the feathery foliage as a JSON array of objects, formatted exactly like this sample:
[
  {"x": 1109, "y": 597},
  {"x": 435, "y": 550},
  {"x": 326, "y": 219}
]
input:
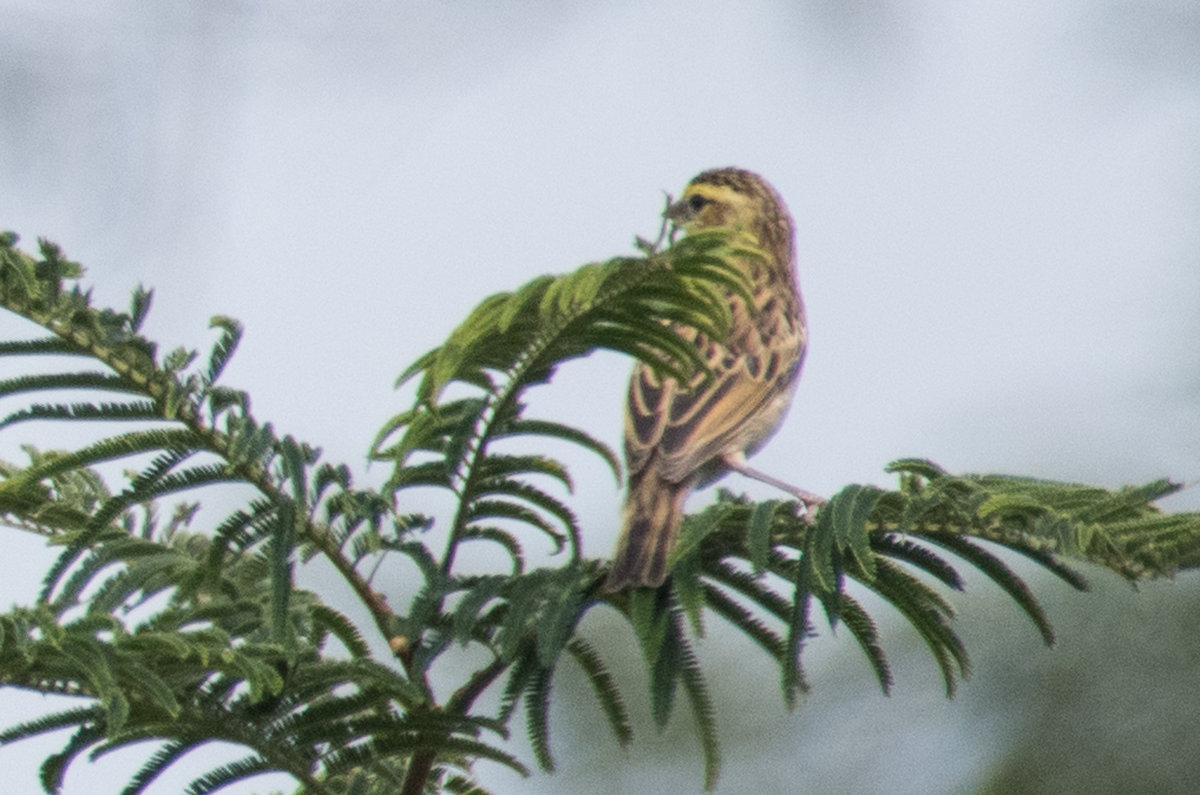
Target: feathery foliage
[{"x": 190, "y": 628}]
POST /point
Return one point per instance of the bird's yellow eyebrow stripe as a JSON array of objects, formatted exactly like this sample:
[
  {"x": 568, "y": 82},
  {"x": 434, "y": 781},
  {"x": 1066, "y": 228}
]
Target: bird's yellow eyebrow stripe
[{"x": 713, "y": 192}]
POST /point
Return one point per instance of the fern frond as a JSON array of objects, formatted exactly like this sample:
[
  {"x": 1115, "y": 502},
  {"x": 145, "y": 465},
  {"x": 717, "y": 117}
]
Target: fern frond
[
  {"x": 54, "y": 768},
  {"x": 56, "y": 381},
  {"x": 156, "y": 765},
  {"x": 223, "y": 776},
  {"x": 483, "y": 507},
  {"x": 929, "y": 615},
  {"x": 523, "y": 426},
  {"x": 537, "y": 717},
  {"x": 750, "y": 587},
  {"x": 341, "y": 627},
  {"x": 792, "y": 679},
  {"x": 47, "y": 346},
  {"x": 856, "y": 619},
  {"x": 745, "y": 621},
  {"x": 223, "y": 349},
  {"x": 514, "y": 341},
  {"x": 142, "y": 411},
  {"x": 240, "y": 531},
  {"x": 605, "y": 689},
  {"x": 903, "y": 549},
  {"x": 482, "y": 590},
  {"x": 55, "y": 721},
  {"x": 999, "y": 573},
  {"x": 669, "y": 659},
  {"x": 758, "y": 533},
  {"x": 565, "y": 602},
  {"x": 519, "y": 677},
  {"x": 703, "y": 715},
  {"x": 153, "y": 486},
  {"x": 507, "y": 541},
  {"x": 116, "y": 447}
]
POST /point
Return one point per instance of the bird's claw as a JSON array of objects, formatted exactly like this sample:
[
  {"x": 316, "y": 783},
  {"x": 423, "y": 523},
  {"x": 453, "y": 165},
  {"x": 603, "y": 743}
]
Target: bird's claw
[{"x": 807, "y": 503}]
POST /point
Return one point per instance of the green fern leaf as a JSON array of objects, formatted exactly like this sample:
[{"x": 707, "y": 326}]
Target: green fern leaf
[
  {"x": 792, "y": 679},
  {"x": 649, "y": 618},
  {"x": 281, "y": 548},
  {"x": 482, "y": 591},
  {"x": 341, "y": 627},
  {"x": 667, "y": 668},
  {"x": 156, "y": 765},
  {"x": 139, "y": 307},
  {"x": 113, "y": 448},
  {"x": 137, "y": 411},
  {"x": 703, "y": 715},
  {"x": 905, "y": 550},
  {"x": 856, "y": 619},
  {"x": 758, "y": 532},
  {"x": 87, "y": 380},
  {"x": 605, "y": 689},
  {"x": 54, "y": 768},
  {"x": 223, "y": 349},
  {"x": 524, "y": 426},
  {"x": 745, "y": 621},
  {"x": 506, "y": 541},
  {"x": 53, "y": 722},
  {"x": 47, "y": 346},
  {"x": 929, "y": 615},
  {"x": 688, "y": 589},
  {"x": 221, "y": 777},
  {"x": 537, "y": 718},
  {"x": 695, "y": 529},
  {"x": 1002, "y": 575},
  {"x": 850, "y": 509},
  {"x": 565, "y": 597}
]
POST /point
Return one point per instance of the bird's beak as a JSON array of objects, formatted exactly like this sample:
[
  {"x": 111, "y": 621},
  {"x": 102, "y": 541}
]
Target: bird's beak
[{"x": 678, "y": 212}]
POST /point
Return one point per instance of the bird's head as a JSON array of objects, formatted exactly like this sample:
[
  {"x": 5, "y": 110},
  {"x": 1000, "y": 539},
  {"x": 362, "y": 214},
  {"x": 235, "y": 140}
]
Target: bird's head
[{"x": 739, "y": 199}]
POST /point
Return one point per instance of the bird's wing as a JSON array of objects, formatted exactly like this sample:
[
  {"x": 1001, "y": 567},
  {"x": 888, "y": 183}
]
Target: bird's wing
[{"x": 688, "y": 427}]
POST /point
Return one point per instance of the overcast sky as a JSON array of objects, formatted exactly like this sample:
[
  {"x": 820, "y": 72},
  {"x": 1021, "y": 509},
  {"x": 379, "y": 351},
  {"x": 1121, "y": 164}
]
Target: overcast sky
[{"x": 998, "y": 233}]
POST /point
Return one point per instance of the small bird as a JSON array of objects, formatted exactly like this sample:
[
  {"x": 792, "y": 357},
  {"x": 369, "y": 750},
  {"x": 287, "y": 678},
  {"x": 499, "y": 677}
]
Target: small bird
[{"x": 679, "y": 437}]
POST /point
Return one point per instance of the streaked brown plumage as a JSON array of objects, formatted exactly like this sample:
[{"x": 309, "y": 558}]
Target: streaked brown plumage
[{"x": 682, "y": 437}]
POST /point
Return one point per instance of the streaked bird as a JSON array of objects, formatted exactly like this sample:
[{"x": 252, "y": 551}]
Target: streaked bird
[{"x": 679, "y": 437}]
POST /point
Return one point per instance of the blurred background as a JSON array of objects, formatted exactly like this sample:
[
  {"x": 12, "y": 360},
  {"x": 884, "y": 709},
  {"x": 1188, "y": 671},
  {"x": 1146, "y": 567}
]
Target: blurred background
[{"x": 998, "y": 211}]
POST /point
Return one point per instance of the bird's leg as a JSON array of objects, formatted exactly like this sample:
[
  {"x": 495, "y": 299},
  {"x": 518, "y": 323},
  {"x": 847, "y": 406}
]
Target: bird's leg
[{"x": 737, "y": 463}]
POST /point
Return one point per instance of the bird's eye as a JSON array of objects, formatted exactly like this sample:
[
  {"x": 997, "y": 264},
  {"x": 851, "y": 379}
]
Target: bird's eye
[{"x": 696, "y": 201}]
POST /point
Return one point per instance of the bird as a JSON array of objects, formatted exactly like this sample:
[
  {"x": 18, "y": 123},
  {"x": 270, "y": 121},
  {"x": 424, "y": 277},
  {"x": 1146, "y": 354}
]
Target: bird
[{"x": 682, "y": 436}]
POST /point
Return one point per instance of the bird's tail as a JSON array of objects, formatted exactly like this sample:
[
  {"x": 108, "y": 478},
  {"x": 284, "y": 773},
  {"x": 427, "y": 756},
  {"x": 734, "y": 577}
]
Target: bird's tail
[{"x": 653, "y": 513}]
